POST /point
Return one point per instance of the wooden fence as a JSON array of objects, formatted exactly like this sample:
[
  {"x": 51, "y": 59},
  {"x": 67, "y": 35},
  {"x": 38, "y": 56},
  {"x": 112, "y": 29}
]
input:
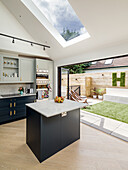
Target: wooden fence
[{"x": 98, "y": 80}]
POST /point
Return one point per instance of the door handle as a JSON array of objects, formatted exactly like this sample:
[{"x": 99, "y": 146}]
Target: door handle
[
  {"x": 14, "y": 112},
  {"x": 10, "y": 104},
  {"x": 10, "y": 113},
  {"x": 14, "y": 104}
]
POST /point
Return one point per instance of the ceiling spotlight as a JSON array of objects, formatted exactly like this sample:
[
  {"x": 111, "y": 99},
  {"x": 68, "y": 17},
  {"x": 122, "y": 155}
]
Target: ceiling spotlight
[
  {"x": 13, "y": 41},
  {"x": 31, "y": 44},
  {"x": 44, "y": 48}
]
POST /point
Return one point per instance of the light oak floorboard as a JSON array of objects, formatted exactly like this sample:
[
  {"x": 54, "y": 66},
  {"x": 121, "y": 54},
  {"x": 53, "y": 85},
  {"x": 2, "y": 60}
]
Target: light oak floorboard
[{"x": 94, "y": 151}]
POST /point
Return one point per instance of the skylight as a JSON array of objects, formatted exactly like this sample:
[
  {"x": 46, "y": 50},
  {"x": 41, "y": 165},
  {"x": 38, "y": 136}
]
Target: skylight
[
  {"x": 109, "y": 61},
  {"x": 94, "y": 62},
  {"x": 64, "y": 19}
]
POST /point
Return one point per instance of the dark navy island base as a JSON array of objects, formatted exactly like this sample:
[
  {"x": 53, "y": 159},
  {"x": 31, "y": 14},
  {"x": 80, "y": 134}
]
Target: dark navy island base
[
  {"x": 46, "y": 136},
  {"x": 51, "y": 126}
]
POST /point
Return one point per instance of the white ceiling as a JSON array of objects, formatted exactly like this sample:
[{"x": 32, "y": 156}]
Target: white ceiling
[{"x": 105, "y": 21}]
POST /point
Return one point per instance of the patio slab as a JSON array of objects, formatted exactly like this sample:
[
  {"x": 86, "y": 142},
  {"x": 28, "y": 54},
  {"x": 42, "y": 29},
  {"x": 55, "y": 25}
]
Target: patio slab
[
  {"x": 120, "y": 133},
  {"x": 107, "y": 125},
  {"x": 89, "y": 119},
  {"x": 92, "y": 101}
]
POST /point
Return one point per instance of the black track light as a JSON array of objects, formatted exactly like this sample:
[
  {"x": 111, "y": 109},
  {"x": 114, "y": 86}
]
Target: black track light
[
  {"x": 13, "y": 41},
  {"x": 27, "y": 41}
]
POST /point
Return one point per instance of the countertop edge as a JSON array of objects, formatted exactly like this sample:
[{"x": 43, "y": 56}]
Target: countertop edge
[
  {"x": 57, "y": 113},
  {"x": 34, "y": 94}
]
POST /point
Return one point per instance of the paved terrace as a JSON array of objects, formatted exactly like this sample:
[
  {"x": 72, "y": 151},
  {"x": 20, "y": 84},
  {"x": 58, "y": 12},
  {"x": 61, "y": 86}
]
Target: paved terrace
[{"x": 107, "y": 125}]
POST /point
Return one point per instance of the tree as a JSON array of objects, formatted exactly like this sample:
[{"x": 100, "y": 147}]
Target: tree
[
  {"x": 68, "y": 35},
  {"x": 79, "y": 68}
]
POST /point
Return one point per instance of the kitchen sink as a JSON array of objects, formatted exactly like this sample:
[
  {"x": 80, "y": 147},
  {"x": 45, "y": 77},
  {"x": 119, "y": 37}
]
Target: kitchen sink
[{"x": 10, "y": 95}]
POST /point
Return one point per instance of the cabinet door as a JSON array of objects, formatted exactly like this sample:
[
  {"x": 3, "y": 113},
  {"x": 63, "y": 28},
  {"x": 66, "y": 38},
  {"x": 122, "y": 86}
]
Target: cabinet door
[
  {"x": 6, "y": 115},
  {"x": 27, "y": 71},
  {"x": 6, "y": 110},
  {"x": 0, "y": 68},
  {"x": 70, "y": 127},
  {"x": 41, "y": 64},
  {"x": 50, "y": 134},
  {"x": 19, "y": 105}
]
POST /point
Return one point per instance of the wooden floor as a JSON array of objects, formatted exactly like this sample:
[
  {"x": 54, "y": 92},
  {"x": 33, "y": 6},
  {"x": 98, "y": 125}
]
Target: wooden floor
[{"x": 94, "y": 151}]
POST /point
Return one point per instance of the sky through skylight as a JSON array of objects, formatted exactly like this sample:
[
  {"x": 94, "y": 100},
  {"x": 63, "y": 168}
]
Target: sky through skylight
[{"x": 62, "y": 16}]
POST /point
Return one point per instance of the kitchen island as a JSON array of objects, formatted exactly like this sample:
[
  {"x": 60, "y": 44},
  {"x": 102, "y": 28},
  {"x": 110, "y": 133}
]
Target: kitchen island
[{"x": 52, "y": 126}]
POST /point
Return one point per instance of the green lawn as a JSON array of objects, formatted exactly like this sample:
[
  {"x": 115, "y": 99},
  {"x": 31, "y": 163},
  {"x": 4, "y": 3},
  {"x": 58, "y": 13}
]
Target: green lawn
[{"x": 112, "y": 110}]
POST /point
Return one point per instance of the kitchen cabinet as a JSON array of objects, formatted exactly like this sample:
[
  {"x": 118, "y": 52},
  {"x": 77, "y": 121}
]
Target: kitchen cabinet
[
  {"x": 9, "y": 68},
  {"x": 50, "y": 130},
  {"x": 0, "y": 68},
  {"x": 27, "y": 71},
  {"x": 14, "y": 108},
  {"x": 14, "y": 69},
  {"x": 42, "y": 64},
  {"x": 69, "y": 134}
]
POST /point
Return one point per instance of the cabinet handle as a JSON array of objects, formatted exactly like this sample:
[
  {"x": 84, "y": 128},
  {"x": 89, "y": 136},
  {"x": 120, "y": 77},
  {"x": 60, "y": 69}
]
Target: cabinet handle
[
  {"x": 63, "y": 114},
  {"x": 10, "y": 113},
  {"x": 14, "y": 112},
  {"x": 14, "y": 104},
  {"x": 10, "y": 104}
]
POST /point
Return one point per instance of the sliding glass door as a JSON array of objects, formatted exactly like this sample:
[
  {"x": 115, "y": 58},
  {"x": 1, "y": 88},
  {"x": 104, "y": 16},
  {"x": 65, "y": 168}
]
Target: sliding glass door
[{"x": 63, "y": 82}]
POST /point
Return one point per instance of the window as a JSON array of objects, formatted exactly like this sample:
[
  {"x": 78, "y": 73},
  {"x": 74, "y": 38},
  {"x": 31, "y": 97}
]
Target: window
[
  {"x": 109, "y": 61},
  {"x": 94, "y": 62},
  {"x": 63, "y": 18}
]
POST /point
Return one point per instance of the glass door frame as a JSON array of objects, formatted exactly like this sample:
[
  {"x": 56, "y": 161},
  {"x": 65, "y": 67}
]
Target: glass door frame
[{"x": 60, "y": 79}]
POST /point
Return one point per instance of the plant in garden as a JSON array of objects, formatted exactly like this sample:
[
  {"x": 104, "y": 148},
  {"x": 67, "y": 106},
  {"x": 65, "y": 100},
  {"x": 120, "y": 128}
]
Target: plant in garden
[
  {"x": 94, "y": 91},
  {"x": 79, "y": 68},
  {"x": 100, "y": 91}
]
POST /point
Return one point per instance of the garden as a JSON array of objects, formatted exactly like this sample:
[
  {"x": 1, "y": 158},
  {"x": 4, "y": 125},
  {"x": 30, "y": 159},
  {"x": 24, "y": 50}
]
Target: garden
[{"x": 111, "y": 110}]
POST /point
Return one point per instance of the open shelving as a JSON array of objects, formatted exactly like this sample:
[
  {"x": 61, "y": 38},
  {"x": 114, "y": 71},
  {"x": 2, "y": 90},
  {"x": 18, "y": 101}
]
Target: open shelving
[{"x": 10, "y": 68}]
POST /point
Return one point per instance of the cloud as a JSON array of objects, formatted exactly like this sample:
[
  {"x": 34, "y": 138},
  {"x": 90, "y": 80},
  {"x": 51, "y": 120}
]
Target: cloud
[
  {"x": 60, "y": 14},
  {"x": 82, "y": 30}
]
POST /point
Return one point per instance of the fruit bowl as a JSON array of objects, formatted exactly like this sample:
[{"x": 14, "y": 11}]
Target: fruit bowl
[{"x": 59, "y": 99}]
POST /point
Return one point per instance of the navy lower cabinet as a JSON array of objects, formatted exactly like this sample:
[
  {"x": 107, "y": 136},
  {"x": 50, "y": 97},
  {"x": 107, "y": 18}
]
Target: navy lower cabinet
[
  {"x": 12, "y": 109},
  {"x": 70, "y": 127},
  {"x": 47, "y": 135}
]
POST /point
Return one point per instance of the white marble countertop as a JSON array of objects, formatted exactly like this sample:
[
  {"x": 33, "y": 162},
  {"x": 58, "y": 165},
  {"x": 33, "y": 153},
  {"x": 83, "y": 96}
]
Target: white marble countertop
[
  {"x": 22, "y": 95},
  {"x": 49, "y": 108}
]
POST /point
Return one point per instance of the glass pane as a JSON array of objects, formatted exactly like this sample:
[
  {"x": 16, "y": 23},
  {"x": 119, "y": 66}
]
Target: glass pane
[
  {"x": 64, "y": 83},
  {"x": 109, "y": 61},
  {"x": 62, "y": 16}
]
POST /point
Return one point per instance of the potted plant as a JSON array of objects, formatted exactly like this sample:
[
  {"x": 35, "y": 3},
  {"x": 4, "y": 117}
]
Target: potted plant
[
  {"x": 94, "y": 93},
  {"x": 100, "y": 93},
  {"x": 21, "y": 90}
]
